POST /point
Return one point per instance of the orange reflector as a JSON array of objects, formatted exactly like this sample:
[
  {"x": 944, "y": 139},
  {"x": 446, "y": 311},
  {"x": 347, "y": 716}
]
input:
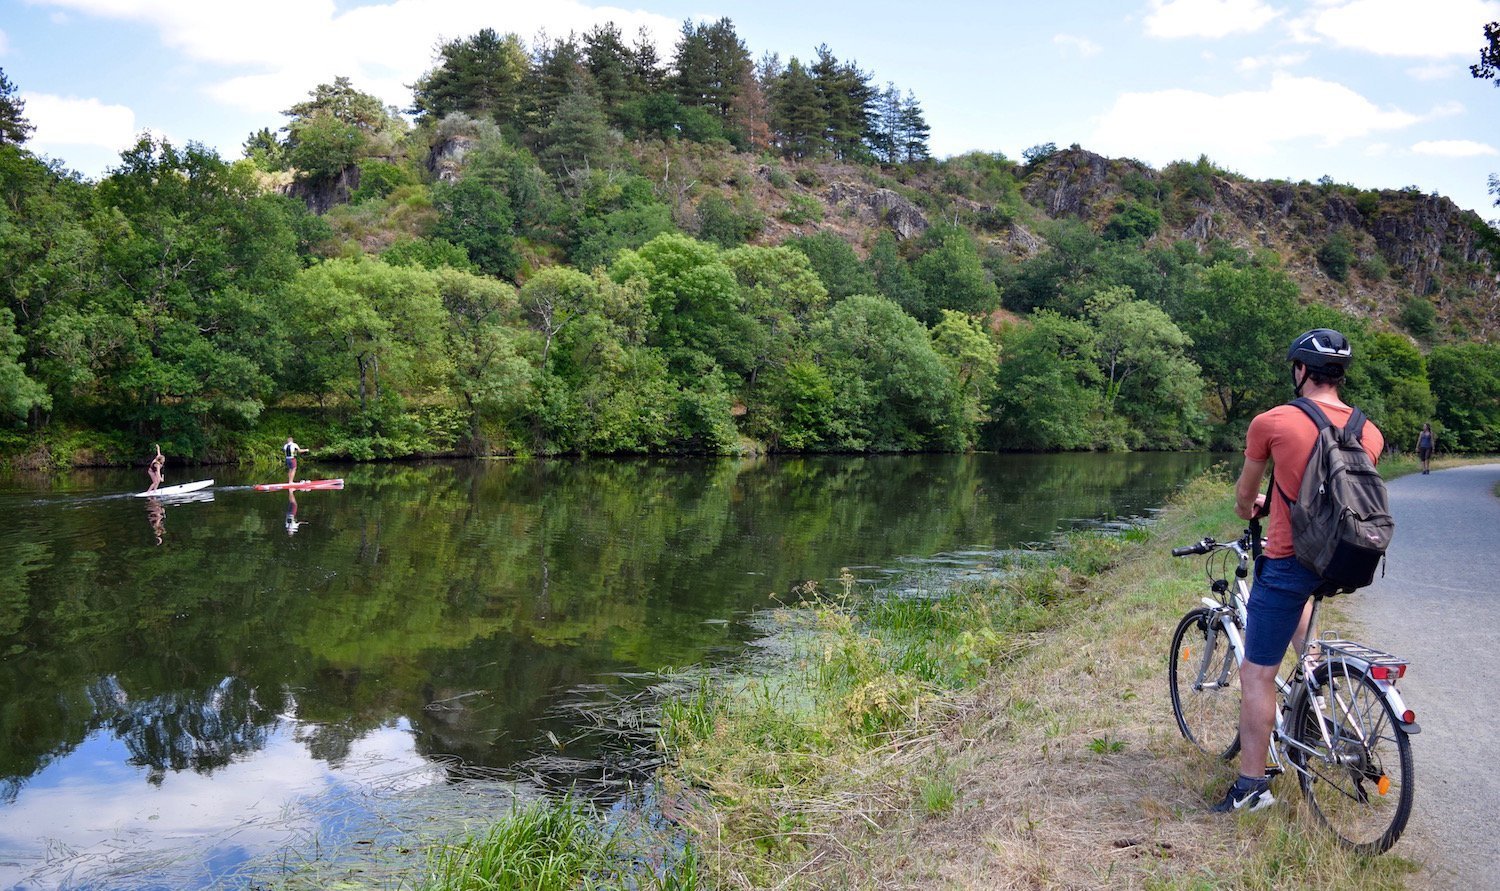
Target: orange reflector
[
  {"x": 1384, "y": 785},
  {"x": 1187, "y": 653}
]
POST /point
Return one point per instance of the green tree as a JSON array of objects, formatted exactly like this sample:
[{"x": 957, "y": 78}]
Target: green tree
[
  {"x": 615, "y": 212},
  {"x": 19, "y": 394},
  {"x": 1488, "y": 65},
  {"x": 711, "y": 63},
  {"x": 371, "y": 330},
  {"x": 798, "y": 118},
  {"x": 1466, "y": 384},
  {"x": 835, "y": 263},
  {"x": 893, "y": 275},
  {"x": 1048, "y": 388},
  {"x": 780, "y": 294},
  {"x": 1240, "y": 322},
  {"x": 577, "y": 136},
  {"x": 847, "y": 98},
  {"x": 1148, "y": 378},
  {"x": 477, "y": 218},
  {"x": 914, "y": 130},
  {"x": 892, "y": 390},
  {"x": 1336, "y": 255},
  {"x": 482, "y": 75},
  {"x": 972, "y": 356},
  {"x": 1397, "y": 372},
  {"x": 952, "y": 275},
  {"x": 694, "y": 301},
  {"x": 182, "y": 333},
  {"x": 489, "y": 369},
  {"x": 336, "y": 126},
  {"x": 14, "y": 128}
]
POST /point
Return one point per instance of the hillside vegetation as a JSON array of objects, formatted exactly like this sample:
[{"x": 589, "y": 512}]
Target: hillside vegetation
[{"x": 574, "y": 247}]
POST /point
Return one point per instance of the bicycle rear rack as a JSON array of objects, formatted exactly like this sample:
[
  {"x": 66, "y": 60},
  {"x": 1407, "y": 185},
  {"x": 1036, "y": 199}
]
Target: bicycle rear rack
[{"x": 1380, "y": 665}]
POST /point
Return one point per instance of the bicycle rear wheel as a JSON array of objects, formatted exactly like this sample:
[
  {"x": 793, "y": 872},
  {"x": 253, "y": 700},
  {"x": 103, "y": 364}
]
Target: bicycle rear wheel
[
  {"x": 1359, "y": 780},
  {"x": 1204, "y": 676}
]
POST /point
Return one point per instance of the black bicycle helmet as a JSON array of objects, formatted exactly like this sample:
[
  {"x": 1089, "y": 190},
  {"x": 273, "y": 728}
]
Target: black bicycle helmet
[{"x": 1321, "y": 348}]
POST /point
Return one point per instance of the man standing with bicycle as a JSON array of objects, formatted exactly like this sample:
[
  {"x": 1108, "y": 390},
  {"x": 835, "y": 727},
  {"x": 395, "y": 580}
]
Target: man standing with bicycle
[{"x": 1284, "y": 437}]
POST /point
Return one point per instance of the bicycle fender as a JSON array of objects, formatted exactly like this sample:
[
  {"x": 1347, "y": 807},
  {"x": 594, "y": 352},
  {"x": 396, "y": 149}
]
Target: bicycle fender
[{"x": 1398, "y": 706}]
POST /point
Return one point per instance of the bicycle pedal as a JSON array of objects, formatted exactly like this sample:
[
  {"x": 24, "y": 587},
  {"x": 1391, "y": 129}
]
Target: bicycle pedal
[{"x": 1274, "y": 770}]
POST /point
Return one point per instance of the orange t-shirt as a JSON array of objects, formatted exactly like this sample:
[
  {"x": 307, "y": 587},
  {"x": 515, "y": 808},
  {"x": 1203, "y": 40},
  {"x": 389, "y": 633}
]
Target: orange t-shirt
[{"x": 1285, "y": 435}]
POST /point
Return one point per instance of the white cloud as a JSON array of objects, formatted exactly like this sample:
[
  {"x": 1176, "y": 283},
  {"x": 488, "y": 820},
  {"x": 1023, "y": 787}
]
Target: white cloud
[
  {"x": 1081, "y": 45},
  {"x": 4, "y": 44},
  {"x": 276, "y": 51},
  {"x": 1450, "y": 109},
  {"x": 1280, "y": 62},
  {"x": 1206, "y": 18},
  {"x": 1169, "y": 125},
  {"x": 69, "y": 121},
  {"x": 1430, "y": 29},
  {"x": 1453, "y": 148}
]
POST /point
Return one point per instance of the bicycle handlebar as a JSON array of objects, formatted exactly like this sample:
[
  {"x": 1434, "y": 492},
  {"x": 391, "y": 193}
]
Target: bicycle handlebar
[{"x": 1202, "y": 547}]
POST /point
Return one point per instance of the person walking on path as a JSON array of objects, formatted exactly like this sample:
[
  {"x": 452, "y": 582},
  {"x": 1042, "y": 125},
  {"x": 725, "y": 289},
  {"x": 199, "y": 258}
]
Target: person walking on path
[
  {"x": 1278, "y": 609},
  {"x": 1425, "y": 441},
  {"x": 291, "y": 450},
  {"x": 153, "y": 469}
]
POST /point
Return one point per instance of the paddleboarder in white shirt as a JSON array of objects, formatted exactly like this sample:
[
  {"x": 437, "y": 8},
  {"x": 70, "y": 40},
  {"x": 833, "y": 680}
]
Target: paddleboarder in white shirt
[{"x": 291, "y": 450}]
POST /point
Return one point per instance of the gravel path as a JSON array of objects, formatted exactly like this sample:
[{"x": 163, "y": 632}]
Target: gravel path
[{"x": 1437, "y": 606}]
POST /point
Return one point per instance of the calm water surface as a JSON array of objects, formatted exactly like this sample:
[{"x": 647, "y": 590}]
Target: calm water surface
[{"x": 188, "y": 686}]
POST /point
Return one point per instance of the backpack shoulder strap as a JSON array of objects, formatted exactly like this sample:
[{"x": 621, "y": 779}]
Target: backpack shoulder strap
[
  {"x": 1311, "y": 409},
  {"x": 1319, "y": 419}
]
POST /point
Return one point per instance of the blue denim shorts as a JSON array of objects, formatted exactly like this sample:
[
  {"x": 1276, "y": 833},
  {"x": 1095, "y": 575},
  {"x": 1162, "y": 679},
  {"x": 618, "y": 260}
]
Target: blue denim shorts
[{"x": 1282, "y": 586}]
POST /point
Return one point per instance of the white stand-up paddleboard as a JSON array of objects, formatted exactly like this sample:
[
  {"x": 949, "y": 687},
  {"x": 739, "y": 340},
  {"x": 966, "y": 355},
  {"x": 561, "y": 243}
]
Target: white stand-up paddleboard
[{"x": 182, "y": 489}]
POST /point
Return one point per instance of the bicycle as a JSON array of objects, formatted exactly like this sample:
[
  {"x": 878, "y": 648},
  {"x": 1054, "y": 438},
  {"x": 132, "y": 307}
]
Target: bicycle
[{"x": 1341, "y": 724}]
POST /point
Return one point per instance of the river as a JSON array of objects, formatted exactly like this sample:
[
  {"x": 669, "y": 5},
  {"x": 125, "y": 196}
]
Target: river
[{"x": 192, "y": 686}]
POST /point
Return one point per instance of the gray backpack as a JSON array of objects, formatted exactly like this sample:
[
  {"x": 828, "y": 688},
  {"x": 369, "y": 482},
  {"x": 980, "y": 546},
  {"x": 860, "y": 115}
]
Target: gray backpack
[{"x": 1341, "y": 520}]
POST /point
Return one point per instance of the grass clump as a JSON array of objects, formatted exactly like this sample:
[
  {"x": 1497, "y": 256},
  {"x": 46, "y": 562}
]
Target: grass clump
[{"x": 553, "y": 846}]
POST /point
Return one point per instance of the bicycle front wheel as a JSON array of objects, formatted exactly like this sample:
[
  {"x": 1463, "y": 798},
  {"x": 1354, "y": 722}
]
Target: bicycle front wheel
[
  {"x": 1205, "y": 679},
  {"x": 1358, "y": 778}
]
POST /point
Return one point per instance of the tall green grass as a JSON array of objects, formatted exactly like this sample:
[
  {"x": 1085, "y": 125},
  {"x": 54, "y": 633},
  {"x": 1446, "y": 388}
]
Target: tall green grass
[{"x": 557, "y": 846}]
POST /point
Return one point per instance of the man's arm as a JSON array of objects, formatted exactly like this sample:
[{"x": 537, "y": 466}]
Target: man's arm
[{"x": 1249, "y": 500}]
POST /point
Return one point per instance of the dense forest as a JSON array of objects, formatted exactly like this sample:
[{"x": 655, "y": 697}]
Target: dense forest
[{"x": 575, "y": 247}]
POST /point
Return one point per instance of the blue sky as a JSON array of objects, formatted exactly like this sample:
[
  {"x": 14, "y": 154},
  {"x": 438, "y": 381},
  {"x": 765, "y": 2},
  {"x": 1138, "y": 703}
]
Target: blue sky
[{"x": 1376, "y": 93}]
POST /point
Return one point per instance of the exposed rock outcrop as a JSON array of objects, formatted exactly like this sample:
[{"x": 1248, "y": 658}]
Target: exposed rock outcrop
[
  {"x": 1073, "y": 182},
  {"x": 321, "y": 196},
  {"x": 880, "y": 207},
  {"x": 446, "y": 158}
]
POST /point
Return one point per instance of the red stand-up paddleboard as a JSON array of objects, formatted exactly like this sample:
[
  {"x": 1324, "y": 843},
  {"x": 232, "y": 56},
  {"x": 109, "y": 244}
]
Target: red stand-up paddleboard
[{"x": 303, "y": 484}]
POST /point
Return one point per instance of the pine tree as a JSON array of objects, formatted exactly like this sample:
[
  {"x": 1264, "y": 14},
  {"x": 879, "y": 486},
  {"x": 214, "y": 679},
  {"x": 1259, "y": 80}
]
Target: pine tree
[
  {"x": 14, "y": 128},
  {"x": 557, "y": 69},
  {"x": 847, "y": 96},
  {"x": 886, "y": 141},
  {"x": 646, "y": 73},
  {"x": 609, "y": 63},
  {"x": 482, "y": 76},
  {"x": 797, "y": 113},
  {"x": 578, "y": 135},
  {"x": 914, "y": 130},
  {"x": 711, "y": 64}
]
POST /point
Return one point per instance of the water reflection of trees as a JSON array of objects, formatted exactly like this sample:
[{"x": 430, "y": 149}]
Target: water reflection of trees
[
  {"x": 198, "y": 730},
  {"x": 462, "y": 596}
]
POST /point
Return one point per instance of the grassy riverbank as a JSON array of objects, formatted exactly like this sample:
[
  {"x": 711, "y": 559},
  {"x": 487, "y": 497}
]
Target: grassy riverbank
[
  {"x": 1009, "y": 733},
  {"x": 1013, "y": 732}
]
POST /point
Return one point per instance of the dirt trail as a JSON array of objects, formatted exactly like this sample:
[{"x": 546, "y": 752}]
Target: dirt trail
[{"x": 1437, "y": 606}]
